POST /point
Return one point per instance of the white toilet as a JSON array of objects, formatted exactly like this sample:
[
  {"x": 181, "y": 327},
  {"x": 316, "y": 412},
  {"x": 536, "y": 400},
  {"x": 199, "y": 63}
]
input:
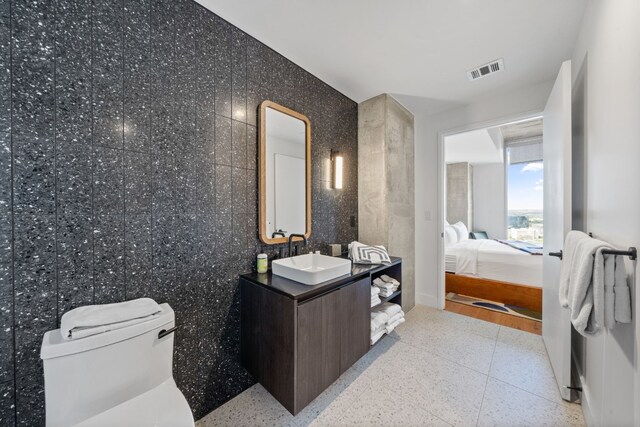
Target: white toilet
[{"x": 118, "y": 378}]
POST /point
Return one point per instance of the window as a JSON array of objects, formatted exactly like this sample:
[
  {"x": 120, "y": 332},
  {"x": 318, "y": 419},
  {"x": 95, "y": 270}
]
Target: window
[{"x": 524, "y": 202}]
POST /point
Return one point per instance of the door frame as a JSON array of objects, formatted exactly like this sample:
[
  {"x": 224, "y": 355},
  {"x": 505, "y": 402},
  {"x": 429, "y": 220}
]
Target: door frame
[{"x": 511, "y": 118}]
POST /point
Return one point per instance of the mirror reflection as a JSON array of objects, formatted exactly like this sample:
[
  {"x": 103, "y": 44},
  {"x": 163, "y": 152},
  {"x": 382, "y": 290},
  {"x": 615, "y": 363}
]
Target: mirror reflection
[{"x": 285, "y": 169}]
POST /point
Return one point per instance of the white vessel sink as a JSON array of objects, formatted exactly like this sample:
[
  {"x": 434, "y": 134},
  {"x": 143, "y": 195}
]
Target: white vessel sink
[{"x": 311, "y": 269}]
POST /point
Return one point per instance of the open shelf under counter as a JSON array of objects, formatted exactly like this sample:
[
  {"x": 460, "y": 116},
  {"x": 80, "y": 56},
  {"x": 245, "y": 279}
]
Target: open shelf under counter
[{"x": 387, "y": 299}]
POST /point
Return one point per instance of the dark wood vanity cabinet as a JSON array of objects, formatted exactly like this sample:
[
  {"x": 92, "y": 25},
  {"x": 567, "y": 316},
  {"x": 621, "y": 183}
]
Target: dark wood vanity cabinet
[
  {"x": 296, "y": 340},
  {"x": 296, "y": 349},
  {"x": 333, "y": 333}
]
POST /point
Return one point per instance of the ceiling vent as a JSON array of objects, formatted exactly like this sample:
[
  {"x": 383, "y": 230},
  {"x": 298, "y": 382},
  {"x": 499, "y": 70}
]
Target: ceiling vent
[{"x": 485, "y": 70}]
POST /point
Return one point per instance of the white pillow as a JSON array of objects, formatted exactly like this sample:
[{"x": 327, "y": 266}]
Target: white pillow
[
  {"x": 450, "y": 236},
  {"x": 461, "y": 230}
]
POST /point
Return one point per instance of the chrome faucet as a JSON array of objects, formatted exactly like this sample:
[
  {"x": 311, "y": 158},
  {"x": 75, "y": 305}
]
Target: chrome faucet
[{"x": 291, "y": 236}]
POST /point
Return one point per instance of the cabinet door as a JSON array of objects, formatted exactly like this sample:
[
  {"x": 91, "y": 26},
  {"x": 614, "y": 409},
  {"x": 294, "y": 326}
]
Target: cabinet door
[
  {"x": 318, "y": 347},
  {"x": 355, "y": 322}
]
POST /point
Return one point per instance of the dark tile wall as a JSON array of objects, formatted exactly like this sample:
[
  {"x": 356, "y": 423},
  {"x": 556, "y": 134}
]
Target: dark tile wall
[{"x": 128, "y": 168}]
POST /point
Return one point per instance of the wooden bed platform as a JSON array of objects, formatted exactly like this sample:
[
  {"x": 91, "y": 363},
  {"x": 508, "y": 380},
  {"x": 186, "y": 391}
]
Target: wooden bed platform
[{"x": 494, "y": 290}]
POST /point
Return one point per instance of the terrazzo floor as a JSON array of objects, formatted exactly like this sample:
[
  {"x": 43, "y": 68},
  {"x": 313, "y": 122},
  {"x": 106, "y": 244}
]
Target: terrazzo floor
[{"x": 438, "y": 368}]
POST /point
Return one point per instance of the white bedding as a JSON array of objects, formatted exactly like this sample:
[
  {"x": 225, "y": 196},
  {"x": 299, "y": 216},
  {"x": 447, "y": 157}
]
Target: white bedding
[{"x": 493, "y": 260}]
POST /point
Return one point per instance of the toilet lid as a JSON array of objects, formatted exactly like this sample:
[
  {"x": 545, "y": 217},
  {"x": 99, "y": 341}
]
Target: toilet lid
[{"x": 163, "y": 406}]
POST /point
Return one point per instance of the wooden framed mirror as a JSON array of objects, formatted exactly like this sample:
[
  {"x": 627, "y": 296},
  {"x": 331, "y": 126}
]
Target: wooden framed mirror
[{"x": 285, "y": 173}]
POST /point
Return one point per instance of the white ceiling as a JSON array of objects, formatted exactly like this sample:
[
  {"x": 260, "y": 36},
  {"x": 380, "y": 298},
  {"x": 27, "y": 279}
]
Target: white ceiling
[
  {"x": 475, "y": 147},
  {"x": 418, "y": 50}
]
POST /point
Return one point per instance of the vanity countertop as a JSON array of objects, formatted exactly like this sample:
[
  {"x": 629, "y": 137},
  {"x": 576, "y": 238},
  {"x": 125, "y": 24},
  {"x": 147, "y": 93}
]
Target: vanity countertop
[{"x": 298, "y": 291}]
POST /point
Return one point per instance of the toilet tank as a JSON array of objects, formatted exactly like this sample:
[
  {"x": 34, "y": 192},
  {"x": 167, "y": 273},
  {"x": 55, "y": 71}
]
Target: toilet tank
[{"x": 87, "y": 376}]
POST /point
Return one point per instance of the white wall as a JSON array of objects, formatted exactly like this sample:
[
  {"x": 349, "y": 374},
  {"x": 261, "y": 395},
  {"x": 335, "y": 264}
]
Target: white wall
[
  {"x": 486, "y": 111},
  {"x": 489, "y": 207},
  {"x": 609, "y": 42}
]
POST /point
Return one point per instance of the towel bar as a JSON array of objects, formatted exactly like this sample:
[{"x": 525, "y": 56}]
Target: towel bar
[{"x": 631, "y": 253}]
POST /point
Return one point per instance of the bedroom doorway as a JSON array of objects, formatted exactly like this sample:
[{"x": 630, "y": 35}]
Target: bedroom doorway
[{"x": 492, "y": 223}]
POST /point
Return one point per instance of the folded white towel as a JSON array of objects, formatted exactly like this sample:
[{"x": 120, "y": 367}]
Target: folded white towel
[
  {"x": 393, "y": 319},
  {"x": 391, "y": 327},
  {"x": 375, "y": 301},
  {"x": 608, "y": 277},
  {"x": 389, "y": 308},
  {"x": 381, "y": 284},
  {"x": 586, "y": 290},
  {"x": 376, "y": 337},
  {"x": 390, "y": 279},
  {"x": 95, "y": 319},
  {"x": 378, "y": 320},
  {"x": 365, "y": 254},
  {"x": 621, "y": 290},
  {"x": 566, "y": 273},
  {"x": 375, "y": 290}
]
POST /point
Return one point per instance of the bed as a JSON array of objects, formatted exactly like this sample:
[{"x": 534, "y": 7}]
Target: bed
[
  {"x": 491, "y": 259},
  {"x": 494, "y": 271}
]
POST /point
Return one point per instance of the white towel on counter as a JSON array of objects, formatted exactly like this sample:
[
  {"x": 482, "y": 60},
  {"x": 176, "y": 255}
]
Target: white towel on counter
[
  {"x": 96, "y": 319},
  {"x": 365, "y": 254}
]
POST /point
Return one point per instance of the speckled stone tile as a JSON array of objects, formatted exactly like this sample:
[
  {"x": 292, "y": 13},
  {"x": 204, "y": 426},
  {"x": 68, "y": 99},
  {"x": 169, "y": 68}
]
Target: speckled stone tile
[
  {"x": 252, "y": 191},
  {"x": 6, "y": 338},
  {"x": 32, "y": 71},
  {"x": 163, "y": 234},
  {"x": 108, "y": 181},
  {"x": 448, "y": 390},
  {"x": 74, "y": 242},
  {"x": 188, "y": 165},
  {"x": 162, "y": 75},
  {"x": 136, "y": 79},
  {"x": 137, "y": 183},
  {"x": 126, "y": 176},
  {"x": 30, "y": 401},
  {"x": 73, "y": 72},
  {"x": 7, "y": 404},
  {"x": 163, "y": 187},
  {"x": 505, "y": 405},
  {"x": 108, "y": 261},
  {"x": 74, "y": 179},
  {"x": 238, "y": 75},
  {"x": 108, "y": 121},
  {"x": 223, "y": 142},
  {"x": 521, "y": 360},
  {"x": 34, "y": 177},
  {"x": 445, "y": 335},
  {"x": 239, "y": 190},
  {"x": 238, "y": 144},
  {"x": 138, "y": 254},
  {"x": 224, "y": 190},
  {"x": 34, "y": 270},
  {"x": 223, "y": 68}
]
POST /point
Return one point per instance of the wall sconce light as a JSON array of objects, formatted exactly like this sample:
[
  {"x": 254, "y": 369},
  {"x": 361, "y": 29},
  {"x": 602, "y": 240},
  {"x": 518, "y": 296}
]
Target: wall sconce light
[{"x": 336, "y": 169}]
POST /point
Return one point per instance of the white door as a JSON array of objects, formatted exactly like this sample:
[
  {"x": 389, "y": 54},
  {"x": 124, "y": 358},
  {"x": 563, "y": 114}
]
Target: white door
[{"x": 556, "y": 323}]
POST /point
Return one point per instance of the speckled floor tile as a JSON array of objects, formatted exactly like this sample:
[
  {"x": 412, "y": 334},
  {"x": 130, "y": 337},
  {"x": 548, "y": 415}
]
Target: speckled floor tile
[
  {"x": 401, "y": 381},
  {"x": 521, "y": 360},
  {"x": 469, "y": 342},
  {"x": 505, "y": 405},
  {"x": 445, "y": 389}
]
